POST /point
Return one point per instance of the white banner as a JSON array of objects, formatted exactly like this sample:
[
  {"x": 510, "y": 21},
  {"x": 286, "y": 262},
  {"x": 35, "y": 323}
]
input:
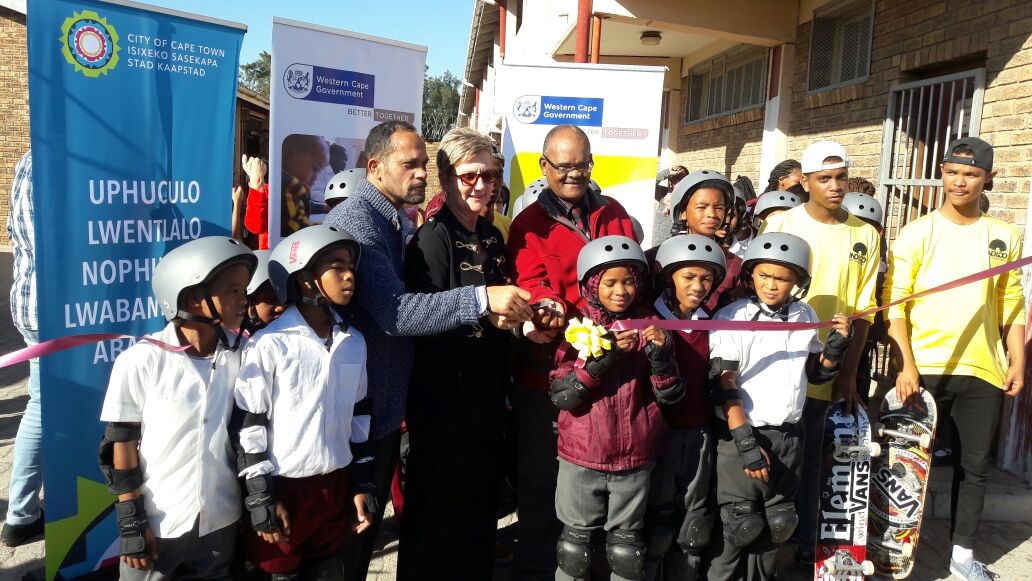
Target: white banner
[
  {"x": 328, "y": 88},
  {"x": 617, "y": 106}
]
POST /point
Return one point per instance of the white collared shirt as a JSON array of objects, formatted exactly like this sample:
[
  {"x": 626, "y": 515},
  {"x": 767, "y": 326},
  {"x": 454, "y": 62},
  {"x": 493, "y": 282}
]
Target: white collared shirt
[
  {"x": 184, "y": 447},
  {"x": 771, "y": 364},
  {"x": 663, "y": 310},
  {"x": 309, "y": 395}
]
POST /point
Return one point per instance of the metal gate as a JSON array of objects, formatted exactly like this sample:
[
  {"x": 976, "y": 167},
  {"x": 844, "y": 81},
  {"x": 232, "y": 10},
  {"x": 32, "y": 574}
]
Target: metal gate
[{"x": 923, "y": 117}]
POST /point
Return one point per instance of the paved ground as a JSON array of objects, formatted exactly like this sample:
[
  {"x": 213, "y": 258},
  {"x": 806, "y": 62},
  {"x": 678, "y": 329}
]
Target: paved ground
[{"x": 1006, "y": 546}]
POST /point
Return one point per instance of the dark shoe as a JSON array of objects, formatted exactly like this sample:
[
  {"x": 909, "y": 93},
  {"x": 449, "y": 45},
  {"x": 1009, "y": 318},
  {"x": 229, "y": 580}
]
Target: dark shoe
[
  {"x": 17, "y": 535},
  {"x": 805, "y": 555}
]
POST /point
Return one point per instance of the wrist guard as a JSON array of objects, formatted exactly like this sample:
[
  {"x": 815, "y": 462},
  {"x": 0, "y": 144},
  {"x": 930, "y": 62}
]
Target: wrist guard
[
  {"x": 835, "y": 347},
  {"x": 132, "y": 524},
  {"x": 660, "y": 358},
  {"x": 261, "y": 504},
  {"x": 366, "y": 486},
  {"x": 598, "y": 367},
  {"x": 745, "y": 440}
]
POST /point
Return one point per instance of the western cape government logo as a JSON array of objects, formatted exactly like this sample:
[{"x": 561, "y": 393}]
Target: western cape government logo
[
  {"x": 314, "y": 83},
  {"x": 549, "y": 110},
  {"x": 89, "y": 43}
]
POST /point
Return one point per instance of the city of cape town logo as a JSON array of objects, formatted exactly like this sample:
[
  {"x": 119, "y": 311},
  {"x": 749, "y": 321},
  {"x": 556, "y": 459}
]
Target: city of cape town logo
[{"x": 89, "y": 43}]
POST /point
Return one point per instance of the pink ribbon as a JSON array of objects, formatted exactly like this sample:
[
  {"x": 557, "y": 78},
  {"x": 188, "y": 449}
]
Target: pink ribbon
[
  {"x": 711, "y": 325},
  {"x": 63, "y": 343}
]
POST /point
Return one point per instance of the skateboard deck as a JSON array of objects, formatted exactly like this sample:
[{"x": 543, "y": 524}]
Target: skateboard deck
[
  {"x": 845, "y": 477},
  {"x": 906, "y": 434}
]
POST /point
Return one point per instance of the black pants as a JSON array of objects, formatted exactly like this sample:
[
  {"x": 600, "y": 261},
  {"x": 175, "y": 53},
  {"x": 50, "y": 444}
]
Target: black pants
[
  {"x": 973, "y": 408},
  {"x": 537, "y": 468},
  {"x": 357, "y": 549}
]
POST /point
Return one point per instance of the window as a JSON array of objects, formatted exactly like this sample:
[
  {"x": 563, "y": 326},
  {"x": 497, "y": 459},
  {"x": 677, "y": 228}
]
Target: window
[
  {"x": 840, "y": 44},
  {"x": 731, "y": 82}
]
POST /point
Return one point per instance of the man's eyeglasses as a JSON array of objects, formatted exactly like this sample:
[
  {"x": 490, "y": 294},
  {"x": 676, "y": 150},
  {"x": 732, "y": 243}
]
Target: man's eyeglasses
[
  {"x": 470, "y": 179},
  {"x": 568, "y": 168}
]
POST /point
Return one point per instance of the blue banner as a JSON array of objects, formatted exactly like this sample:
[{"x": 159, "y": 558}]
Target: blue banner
[
  {"x": 550, "y": 110},
  {"x": 132, "y": 123}
]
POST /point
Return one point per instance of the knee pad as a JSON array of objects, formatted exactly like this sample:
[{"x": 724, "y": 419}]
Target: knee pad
[
  {"x": 695, "y": 530},
  {"x": 659, "y": 530},
  {"x": 625, "y": 551},
  {"x": 782, "y": 520},
  {"x": 743, "y": 522},
  {"x": 574, "y": 551}
]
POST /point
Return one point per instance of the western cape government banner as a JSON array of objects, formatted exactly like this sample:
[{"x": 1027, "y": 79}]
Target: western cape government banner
[
  {"x": 329, "y": 87},
  {"x": 617, "y": 106},
  {"x": 131, "y": 113}
]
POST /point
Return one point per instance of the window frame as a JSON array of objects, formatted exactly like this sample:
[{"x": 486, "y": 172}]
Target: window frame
[
  {"x": 741, "y": 57},
  {"x": 836, "y": 10}
]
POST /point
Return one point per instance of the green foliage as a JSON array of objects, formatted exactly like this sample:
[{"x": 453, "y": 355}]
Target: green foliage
[
  {"x": 255, "y": 74},
  {"x": 440, "y": 104}
]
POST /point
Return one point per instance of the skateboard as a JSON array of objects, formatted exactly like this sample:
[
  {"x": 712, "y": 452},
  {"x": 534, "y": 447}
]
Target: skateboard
[
  {"x": 845, "y": 478},
  {"x": 900, "y": 481}
]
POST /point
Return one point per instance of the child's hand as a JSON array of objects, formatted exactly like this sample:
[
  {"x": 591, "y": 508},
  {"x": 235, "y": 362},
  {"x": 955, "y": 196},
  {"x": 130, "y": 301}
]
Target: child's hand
[
  {"x": 763, "y": 474},
  {"x": 363, "y": 519},
  {"x": 842, "y": 325},
  {"x": 283, "y": 533},
  {"x": 655, "y": 336},
  {"x": 146, "y": 562},
  {"x": 626, "y": 340}
]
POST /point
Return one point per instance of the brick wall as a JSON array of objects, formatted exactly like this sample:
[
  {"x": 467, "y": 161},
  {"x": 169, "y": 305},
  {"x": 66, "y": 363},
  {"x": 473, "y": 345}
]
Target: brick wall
[
  {"x": 14, "y": 102},
  {"x": 729, "y": 144}
]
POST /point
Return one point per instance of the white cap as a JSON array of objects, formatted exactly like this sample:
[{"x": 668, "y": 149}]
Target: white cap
[{"x": 816, "y": 153}]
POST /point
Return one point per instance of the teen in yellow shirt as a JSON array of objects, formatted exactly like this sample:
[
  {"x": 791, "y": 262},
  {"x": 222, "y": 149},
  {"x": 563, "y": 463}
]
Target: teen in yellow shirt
[{"x": 953, "y": 342}]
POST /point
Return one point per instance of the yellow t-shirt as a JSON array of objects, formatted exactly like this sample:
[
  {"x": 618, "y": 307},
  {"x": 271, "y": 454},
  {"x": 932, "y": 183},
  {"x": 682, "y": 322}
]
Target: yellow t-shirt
[
  {"x": 844, "y": 268},
  {"x": 502, "y": 222},
  {"x": 956, "y": 332}
]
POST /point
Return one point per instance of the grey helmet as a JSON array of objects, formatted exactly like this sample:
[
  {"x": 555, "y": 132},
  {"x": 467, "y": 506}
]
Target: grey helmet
[
  {"x": 343, "y": 183},
  {"x": 261, "y": 273},
  {"x": 192, "y": 264},
  {"x": 536, "y": 187},
  {"x": 639, "y": 231},
  {"x": 784, "y": 249},
  {"x": 529, "y": 196},
  {"x": 774, "y": 201},
  {"x": 864, "y": 207},
  {"x": 298, "y": 251},
  {"x": 606, "y": 251},
  {"x": 691, "y": 182},
  {"x": 678, "y": 251}
]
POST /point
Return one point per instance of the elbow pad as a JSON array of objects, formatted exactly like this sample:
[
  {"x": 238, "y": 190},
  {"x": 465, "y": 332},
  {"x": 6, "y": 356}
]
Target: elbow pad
[
  {"x": 567, "y": 393},
  {"x": 670, "y": 395},
  {"x": 119, "y": 481}
]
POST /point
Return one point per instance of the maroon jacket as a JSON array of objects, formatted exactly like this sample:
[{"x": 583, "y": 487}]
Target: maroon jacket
[
  {"x": 621, "y": 427},
  {"x": 691, "y": 351},
  {"x": 543, "y": 246}
]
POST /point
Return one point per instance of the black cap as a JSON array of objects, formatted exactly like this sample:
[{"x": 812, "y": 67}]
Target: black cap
[{"x": 983, "y": 153}]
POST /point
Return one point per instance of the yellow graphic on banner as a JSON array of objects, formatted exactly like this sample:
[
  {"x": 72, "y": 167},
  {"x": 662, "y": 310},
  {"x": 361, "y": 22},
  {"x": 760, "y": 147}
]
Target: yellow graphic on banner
[{"x": 610, "y": 170}]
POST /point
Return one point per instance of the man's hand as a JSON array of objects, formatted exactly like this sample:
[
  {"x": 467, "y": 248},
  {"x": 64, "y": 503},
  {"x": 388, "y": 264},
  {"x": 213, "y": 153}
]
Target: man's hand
[
  {"x": 255, "y": 169},
  {"x": 239, "y": 194},
  {"x": 146, "y": 562},
  {"x": 908, "y": 384},
  {"x": 509, "y": 302},
  {"x": 549, "y": 314},
  {"x": 539, "y": 336},
  {"x": 1014, "y": 381},
  {"x": 283, "y": 533},
  {"x": 363, "y": 520}
]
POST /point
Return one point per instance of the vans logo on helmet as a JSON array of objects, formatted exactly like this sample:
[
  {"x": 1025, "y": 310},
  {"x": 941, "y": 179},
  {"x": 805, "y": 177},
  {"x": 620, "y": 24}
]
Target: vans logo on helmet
[
  {"x": 293, "y": 251},
  {"x": 998, "y": 249},
  {"x": 859, "y": 253}
]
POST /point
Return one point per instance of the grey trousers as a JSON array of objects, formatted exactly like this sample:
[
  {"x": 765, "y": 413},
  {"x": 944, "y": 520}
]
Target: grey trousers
[
  {"x": 757, "y": 561},
  {"x": 681, "y": 479},
  {"x": 590, "y": 500},
  {"x": 189, "y": 557}
]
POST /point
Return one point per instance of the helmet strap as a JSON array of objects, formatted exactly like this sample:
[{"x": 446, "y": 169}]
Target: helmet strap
[
  {"x": 215, "y": 322},
  {"x": 779, "y": 313},
  {"x": 324, "y": 303}
]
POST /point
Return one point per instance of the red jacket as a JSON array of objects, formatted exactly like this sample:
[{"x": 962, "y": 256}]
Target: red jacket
[
  {"x": 544, "y": 245},
  {"x": 621, "y": 427},
  {"x": 256, "y": 219},
  {"x": 691, "y": 351}
]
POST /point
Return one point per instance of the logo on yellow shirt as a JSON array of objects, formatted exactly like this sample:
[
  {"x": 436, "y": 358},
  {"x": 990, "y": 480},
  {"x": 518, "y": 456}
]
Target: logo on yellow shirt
[
  {"x": 998, "y": 249},
  {"x": 859, "y": 253}
]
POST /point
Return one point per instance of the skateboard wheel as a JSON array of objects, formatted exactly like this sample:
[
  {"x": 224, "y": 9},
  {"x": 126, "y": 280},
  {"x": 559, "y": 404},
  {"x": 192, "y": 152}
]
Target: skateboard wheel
[
  {"x": 925, "y": 441},
  {"x": 874, "y": 449},
  {"x": 907, "y": 550},
  {"x": 868, "y": 568},
  {"x": 832, "y": 567}
]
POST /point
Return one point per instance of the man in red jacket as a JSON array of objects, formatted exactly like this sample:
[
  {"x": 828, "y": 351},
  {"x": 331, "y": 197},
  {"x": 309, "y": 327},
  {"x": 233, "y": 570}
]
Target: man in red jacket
[{"x": 544, "y": 241}]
